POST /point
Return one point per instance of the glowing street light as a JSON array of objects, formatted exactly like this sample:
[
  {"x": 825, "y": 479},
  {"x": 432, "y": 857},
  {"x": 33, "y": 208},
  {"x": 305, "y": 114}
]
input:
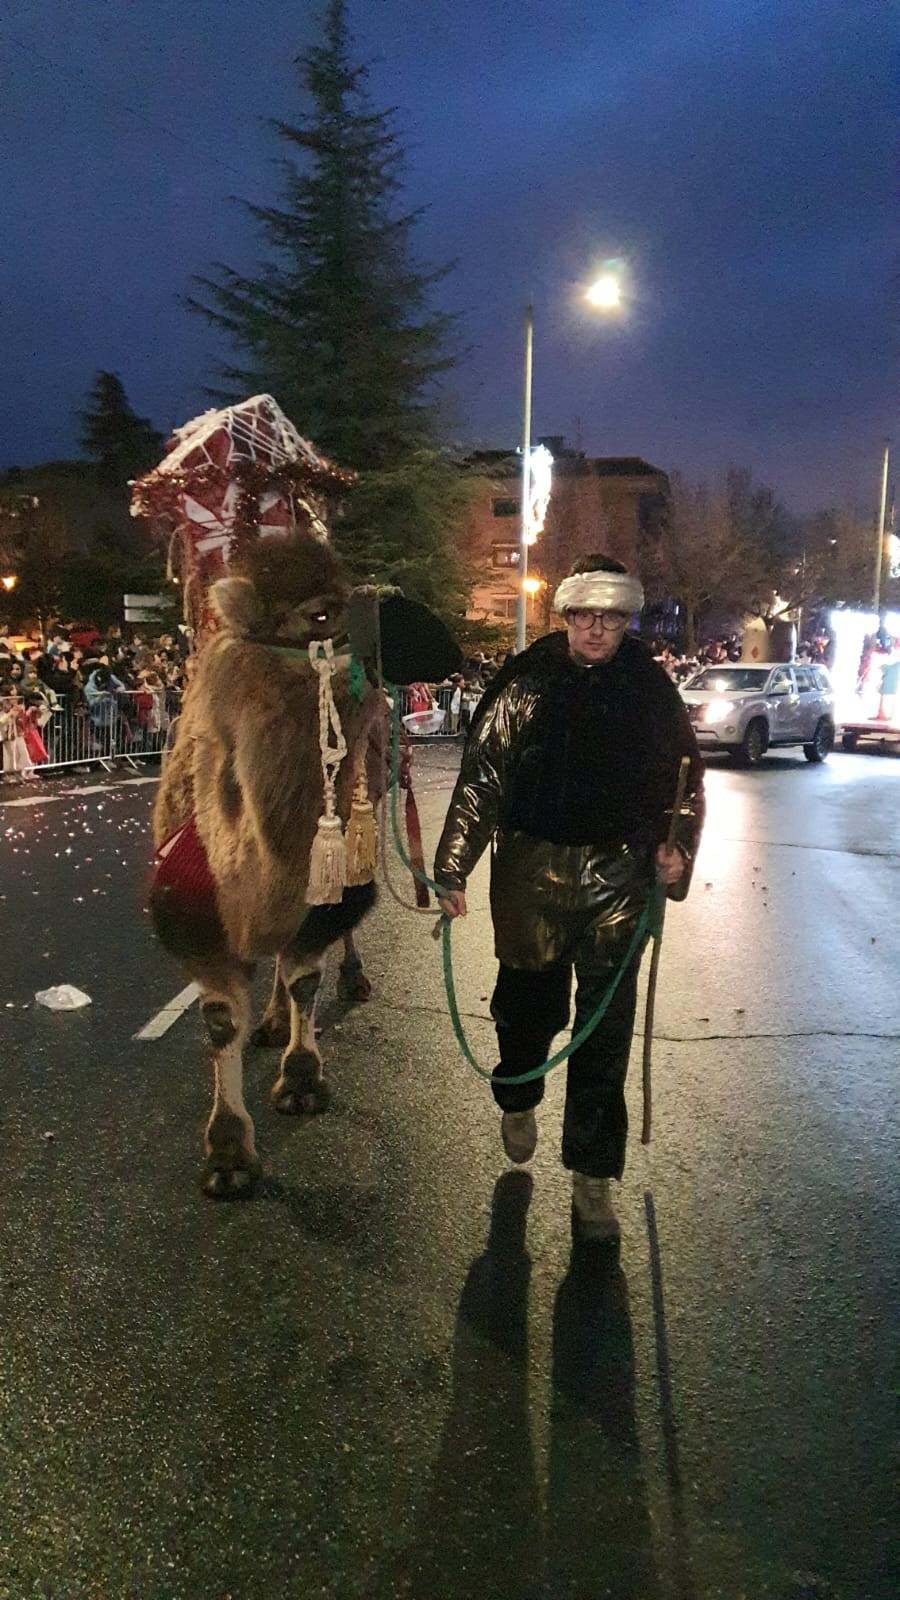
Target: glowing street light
[
  {"x": 606, "y": 292},
  {"x": 532, "y": 587},
  {"x": 9, "y": 582}
]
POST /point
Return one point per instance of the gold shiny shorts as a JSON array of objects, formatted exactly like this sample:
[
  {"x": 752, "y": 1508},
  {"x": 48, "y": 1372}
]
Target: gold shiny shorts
[{"x": 556, "y": 903}]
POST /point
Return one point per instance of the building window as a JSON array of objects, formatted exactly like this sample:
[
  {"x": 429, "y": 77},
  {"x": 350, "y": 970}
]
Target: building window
[
  {"x": 505, "y": 508},
  {"x": 504, "y": 555},
  {"x": 650, "y": 508}
]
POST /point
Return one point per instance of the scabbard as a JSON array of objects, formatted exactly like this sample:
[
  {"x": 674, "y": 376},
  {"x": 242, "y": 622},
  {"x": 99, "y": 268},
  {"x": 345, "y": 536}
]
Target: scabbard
[
  {"x": 414, "y": 841},
  {"x": 648, "y": 1029},
  {"x": 659, "y": 919}
]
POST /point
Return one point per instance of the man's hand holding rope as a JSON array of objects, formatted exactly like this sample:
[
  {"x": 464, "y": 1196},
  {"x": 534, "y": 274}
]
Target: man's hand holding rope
[
  {"x": 455, "y": 904},
  {"x": 669, "y": 864}
]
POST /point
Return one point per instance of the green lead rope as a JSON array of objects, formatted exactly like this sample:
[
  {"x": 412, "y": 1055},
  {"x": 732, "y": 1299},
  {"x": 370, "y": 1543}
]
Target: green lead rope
[
  {"x": 576, "y": 1040},
  {"x": 649, "y": 923}
]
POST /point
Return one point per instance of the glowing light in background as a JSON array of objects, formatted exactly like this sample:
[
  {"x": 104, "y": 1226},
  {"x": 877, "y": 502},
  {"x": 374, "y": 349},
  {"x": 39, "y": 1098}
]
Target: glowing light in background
[
  {"x": 850, "y": 629},
  {"x": 9, "y": 582},
  {"x": 541, "y": 480}
]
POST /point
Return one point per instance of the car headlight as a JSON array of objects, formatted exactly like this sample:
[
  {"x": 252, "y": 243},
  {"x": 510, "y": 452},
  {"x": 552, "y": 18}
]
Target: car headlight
[{"x": 717, "y": 710}]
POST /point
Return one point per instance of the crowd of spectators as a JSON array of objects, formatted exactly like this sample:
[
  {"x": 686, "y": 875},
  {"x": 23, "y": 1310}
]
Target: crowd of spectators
[
  {"x": 681, "y": 666},
  {"x": 77, "y": 694}
]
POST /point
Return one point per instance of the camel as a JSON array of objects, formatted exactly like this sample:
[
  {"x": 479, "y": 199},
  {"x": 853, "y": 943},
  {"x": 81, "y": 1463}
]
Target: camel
[{"x": 236, "y": 815}]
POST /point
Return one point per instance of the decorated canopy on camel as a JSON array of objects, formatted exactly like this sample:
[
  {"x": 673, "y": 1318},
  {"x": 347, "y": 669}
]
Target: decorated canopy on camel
[
  {"x": 228, "y": 476},
  {"x": 244, "y": 473}
]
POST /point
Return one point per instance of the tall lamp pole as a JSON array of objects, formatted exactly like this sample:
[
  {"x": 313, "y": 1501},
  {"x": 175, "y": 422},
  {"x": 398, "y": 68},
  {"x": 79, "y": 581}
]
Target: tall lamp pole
[
  {"x": 525, "y": 508},
  {"x": 879, "y": 555},
  {"x": 604, "y": 294}
]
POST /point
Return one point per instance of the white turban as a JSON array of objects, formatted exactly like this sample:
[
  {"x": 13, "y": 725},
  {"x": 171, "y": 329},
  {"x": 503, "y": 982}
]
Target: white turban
[{"x": 599, "y": 591}]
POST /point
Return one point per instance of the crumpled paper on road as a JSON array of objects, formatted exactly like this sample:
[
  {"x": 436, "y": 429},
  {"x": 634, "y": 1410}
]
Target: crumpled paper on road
[{"x": 65, "y": 997}]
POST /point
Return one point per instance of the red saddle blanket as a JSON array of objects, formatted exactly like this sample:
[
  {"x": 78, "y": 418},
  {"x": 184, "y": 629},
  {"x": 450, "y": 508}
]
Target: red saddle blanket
[{"x": 182, "y": 867}]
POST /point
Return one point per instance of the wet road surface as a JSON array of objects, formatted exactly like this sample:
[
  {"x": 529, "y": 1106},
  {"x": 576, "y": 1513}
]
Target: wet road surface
[{"x": 388, "y": 1377}]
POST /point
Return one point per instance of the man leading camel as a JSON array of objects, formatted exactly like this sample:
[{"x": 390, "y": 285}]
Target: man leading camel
[{"x": 571, "y": 767}]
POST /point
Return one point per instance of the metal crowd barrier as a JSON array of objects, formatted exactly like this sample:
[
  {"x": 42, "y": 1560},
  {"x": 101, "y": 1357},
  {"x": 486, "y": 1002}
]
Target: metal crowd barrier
[
  {"x": 438, "y": 723},
  {"x": 113, "y": 729}
]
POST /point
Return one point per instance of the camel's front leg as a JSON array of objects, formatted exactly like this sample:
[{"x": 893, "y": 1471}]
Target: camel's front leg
[
  {"x": 231, "y": 1160},
  {"x": 352, "y": 981},
  {"x": 300, "y": 1086},
  {"x": 275, "y": 1027}
]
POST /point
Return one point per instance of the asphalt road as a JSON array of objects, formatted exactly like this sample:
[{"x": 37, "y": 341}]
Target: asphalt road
[{"x": 388, "y": 1377}]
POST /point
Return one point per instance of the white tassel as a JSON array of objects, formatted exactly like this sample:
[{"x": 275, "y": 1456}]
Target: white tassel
[{"x": 327, "y": 864}]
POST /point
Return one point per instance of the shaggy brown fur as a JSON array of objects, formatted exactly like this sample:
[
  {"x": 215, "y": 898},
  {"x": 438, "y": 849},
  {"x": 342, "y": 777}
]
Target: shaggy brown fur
[{"x": 246, "y": 767}]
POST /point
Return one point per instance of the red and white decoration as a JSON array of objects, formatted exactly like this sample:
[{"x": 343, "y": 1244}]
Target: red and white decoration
[{"x": 227, "y": 475}]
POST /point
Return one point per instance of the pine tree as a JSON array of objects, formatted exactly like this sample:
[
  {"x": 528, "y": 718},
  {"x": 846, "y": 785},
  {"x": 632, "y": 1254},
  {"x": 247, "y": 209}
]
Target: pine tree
[
  {"x": 337, "y": 324},
  {"x": 122, "y": 444}
]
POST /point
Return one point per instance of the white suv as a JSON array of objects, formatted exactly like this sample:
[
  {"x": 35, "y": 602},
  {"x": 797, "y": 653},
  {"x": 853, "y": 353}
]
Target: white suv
[{"x": 749, "y": 710}]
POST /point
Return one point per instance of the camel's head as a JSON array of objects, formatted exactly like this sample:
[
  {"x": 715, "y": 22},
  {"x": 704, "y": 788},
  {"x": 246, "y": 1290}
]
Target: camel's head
[{"x": 284, "y": 592}]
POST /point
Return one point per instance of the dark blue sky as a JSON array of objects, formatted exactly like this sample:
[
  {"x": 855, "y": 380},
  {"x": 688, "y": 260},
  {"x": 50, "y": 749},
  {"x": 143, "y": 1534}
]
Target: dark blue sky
[{"x": 737, "y": 154}]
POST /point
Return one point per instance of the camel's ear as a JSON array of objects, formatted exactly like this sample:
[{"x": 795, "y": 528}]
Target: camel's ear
[{"x": 235, "y": 604}]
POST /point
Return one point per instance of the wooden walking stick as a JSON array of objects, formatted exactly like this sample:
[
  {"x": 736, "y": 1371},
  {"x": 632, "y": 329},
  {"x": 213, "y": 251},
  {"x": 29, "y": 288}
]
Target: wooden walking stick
[{"x": 659, "y": 918}]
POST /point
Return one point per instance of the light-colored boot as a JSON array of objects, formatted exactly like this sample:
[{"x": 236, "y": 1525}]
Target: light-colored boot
[
  {"x": 518, "y": 1130},
  {"x": 593, "y": 1218}
]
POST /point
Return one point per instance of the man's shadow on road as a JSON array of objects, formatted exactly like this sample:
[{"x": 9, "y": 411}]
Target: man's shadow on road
[
  {"x": 598, "y": 1530},
  {"x": 482, "y": 1529}
]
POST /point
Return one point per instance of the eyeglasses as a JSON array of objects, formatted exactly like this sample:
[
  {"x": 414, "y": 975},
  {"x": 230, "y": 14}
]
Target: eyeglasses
[{"x": 611, "y": 621}]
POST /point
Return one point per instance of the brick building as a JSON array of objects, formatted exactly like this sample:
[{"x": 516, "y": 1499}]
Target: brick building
[{"x": 616, "y": 504}]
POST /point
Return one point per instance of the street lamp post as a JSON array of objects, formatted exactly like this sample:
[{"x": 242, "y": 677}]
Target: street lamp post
[
  {"x": 879, "y": 553},
  {"x": 802, "y": 576},
  {"x": 604, "y": 294},
  {"x": 525, "y": 508}
]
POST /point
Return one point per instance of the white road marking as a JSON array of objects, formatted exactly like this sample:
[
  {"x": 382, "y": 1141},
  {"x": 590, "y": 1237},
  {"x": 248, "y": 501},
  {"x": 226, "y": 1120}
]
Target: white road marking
[
  {"x": 162, "y": 1022},
  {"x": 69, "y": 794}
]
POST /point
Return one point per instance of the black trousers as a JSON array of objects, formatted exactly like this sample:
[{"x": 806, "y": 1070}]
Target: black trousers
[{"x": 529, "y": 1009}]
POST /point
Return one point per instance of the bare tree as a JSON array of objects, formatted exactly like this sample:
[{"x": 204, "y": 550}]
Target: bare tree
[{"x": 708, "y": 564}]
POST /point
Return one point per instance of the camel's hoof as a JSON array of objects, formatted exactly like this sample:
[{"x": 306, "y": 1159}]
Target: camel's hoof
[
  {"x": 271, "y": 1034},
  {"x": 295, "y": 1100},
  {"x": 354, "y": 985},
  {"x": 230, "y": 1183}
]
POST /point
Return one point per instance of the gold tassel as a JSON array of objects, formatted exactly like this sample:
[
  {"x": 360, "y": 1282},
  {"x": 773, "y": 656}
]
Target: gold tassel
[
  {"x": 327, "y": 864},
  {"x": 362, "y": 842},
  {"x": 362, "y": 839}
]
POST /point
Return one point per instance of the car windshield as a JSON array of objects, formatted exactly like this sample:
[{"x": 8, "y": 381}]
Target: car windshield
[{"x": 726, "y": 680}]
